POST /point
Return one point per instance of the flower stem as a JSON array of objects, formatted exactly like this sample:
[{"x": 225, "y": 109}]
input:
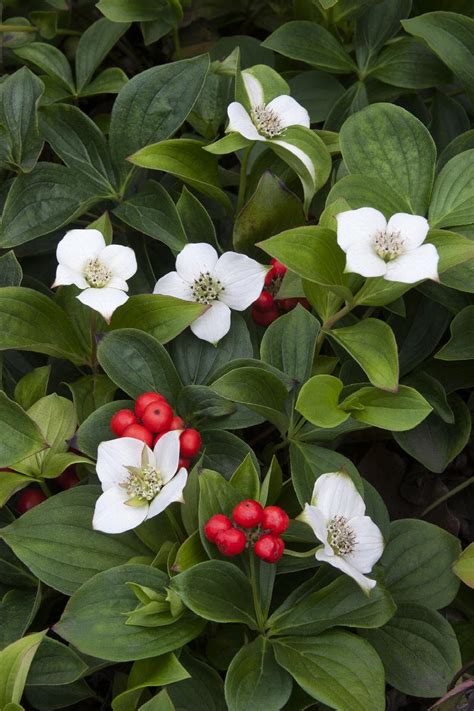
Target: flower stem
[
  {"x": 243, "y": 177},
  {"x": 448, "y": 495},
  {"x": 301, "y": 554},
  {"x": 44, "y": 487},
  {"x": 260, "y": 617}
]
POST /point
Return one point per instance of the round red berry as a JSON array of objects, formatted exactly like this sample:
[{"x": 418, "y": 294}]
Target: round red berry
[
  {"x": 216, "y": 525},
  {"x": 290, "y": 304},
  {"x": 190, "y": 443},
  {"x": 184, "y": 462},
  {"x": 279, "y": 269},
  {"x": 275, "y": 520},
  {"x": 68, "y": 478},
  {"x": 29, "y": 498},
  {"x": 145, "y": 399},
  {"x": 265, "y": 302},
  {"x": 177, "y": 423},
  {"x": 157, "y": 416},
  {"x": 121, "y": 420},
  {"x": 231, "y": 542},
  {"x": 265, "y": 318},
  {"x": 139, "y": 432},
  {"x": 269, "y": 277},
  {"x": 248, "y": 513},
  {"x": 269, "y": 548}
]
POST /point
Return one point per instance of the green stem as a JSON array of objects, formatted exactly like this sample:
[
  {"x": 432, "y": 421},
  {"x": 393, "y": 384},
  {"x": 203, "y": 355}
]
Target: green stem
[
  {"x": 31, "y": 28},
  {"x": 301, "y": 554},
  {"x": 175, "y": 525},
  {"x": 243, "y": 177},
  {"x": 447, "y": 496},
  {"x": 256, "y": 592},
  {"x": 329, "y": 323},
  {"x": 45, "y": 488}
]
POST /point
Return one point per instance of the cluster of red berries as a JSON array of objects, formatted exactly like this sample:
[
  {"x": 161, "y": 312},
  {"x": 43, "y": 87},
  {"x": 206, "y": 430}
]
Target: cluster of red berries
[
  {"x": 266, "y": 308},
  {"x": 152, "y": 418},
  {"x": 251, "y": 526}
]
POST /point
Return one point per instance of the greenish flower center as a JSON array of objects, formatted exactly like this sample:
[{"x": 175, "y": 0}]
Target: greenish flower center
[
  {"x": 142, "y": 485},
  {"x": 388, "y": 245},
  {"x": 341, "y": 537},
  {"x": 96, "y": 274},
  {"x": 266, "y": 121},
  {"x": 206, "y": 288}
]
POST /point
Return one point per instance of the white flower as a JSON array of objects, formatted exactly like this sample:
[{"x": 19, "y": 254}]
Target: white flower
[
  {"x": 393, "y": 250},
  {"x": 138, "y": 483},
  {"x": 100, "y": 270},
  {"x": 352, "y": 541},
  {"x": 232, "y": 281}
]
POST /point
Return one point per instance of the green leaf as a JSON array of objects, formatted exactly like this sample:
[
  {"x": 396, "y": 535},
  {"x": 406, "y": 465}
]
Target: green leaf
[
  {"x": 80, "y": 144},
  {"x": 217, "y": 591},
  {"x": 453, "y": 193},
  {"x": 58, "y": 544},
  {"x": 463, "y": 567},
  {"x": 91, "y": 392},
  {"x": 20, "y": 94},
  {"x": 417, "y": 562},
  {"x": 11, "y": 273},
  {"x": 460, "y": 345},
  {"x": 94, "y": 620},
  {"x": 377, "y": 25},
  {"x": 184, "y": 158},
  {"x": 15, "y": 661},
  {"x": 55, "y": 664},
  {"x": 19, "y": 434},
  {"x": 153, "y": 212},
  {"x": 42, "y": 201},
  {"x": 271, "y": 209},
  {"x": 311, "y": 43},
  {"x": 93, "y": 47},
  {"x": 386, "y": 142},
  {"x": 51, "y": 60},
  {"x": 409, "y": 64},
  {"x": 398, "y": 411},
  {"x": 197, "y": 360},
  {"x": 246, "y": 479},
  {"x": 367, "y": 191},
  {"x": 224, "y": 451},
  {"x": 317, "y": 91},
  {"x": 419, "y": 651},
  {"x": 137, "y": 363},
  {"x": 216, "y": 494},
  {"x": 132, "y": 10},
  {"x": 157, "y": 671},
  {"x": 30, "y": 321},
  {"x": 318, "y": 401},
  {"x": 163, "y": 317},
  {"x": 373, "y": 346},
  {"x": 258, "y": 390},
  {"x": 340, "y": 604},
  {"x": 254, "y": 679},
  {"x": 32, "y": 386},
  {"x": 313, "y": 254},
  {"x": 18, "y": 607},
  {"x": 451, "y": 36},
  {"x": 154, "y": 104},
  {"x": 96, "y": 427},
  {"x": 289, "y": 343},
  {"x": 203, "y": 691},
  {"x": 197, "y": 223},
  {"x": 336, "y": 668},
  {"x": 434, "y": 442},
  {"x": 10, "y": 483},
  {"x": 110, "y": 81}
]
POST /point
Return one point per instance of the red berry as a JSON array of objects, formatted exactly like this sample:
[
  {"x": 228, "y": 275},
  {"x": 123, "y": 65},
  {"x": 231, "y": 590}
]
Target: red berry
[
  {"x": 265, "y": 318},
  {"x": 231, "y": 542},
  {"x": 145, "y": 399},
  {"x": 29, "y": 498},
  {"x": 139, "y": 432},
  {"x": 248, "y": 513},
  {"x": 279, "y": 269},
  {"x": 264, "y": 302},
  {"x": 184, "y": 462},
  {"x": 269, "y": 277},
  {"x": 121, "y": 420},
  {"x": 157, "y": 416},
  {"x": 190, "y": 443},
  {"x": 216, "y": 525},
  {"x": 269, "y": 548},
  {"x": 275, "y": 520},
  {"x": 289, "y": 304},
  {"x": 177, "y": 423},
  {"x": 68, "y": 478}
]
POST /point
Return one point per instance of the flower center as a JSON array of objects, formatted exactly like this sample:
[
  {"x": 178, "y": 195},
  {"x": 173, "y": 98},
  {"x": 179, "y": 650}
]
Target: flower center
[
  {"x": 388, "y": 245},
  {"x": 341, "y": 537},
  {"x": 266, "y": 121},
  {"x": 142, "y": 485},
  {"x": 206, "y": 289},
  {"x": 96, "y": 274}
]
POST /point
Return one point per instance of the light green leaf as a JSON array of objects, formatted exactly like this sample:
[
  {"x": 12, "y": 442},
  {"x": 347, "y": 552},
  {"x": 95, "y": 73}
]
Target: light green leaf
[
  {"x": 157, "y": 671},
  {"x": 367, "y": 191},
  {"x": 132, "y": 10},
  {"x": 398, "y": 411},
  {"x": 318, "y": 401},
  {"x": 463, "y": 567},
  {"x": 461, "y": 344},
  {"x": 15, "y": 661},
  {"x": 386, "y": 142},
  {"x": 32, "y": 386}
]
